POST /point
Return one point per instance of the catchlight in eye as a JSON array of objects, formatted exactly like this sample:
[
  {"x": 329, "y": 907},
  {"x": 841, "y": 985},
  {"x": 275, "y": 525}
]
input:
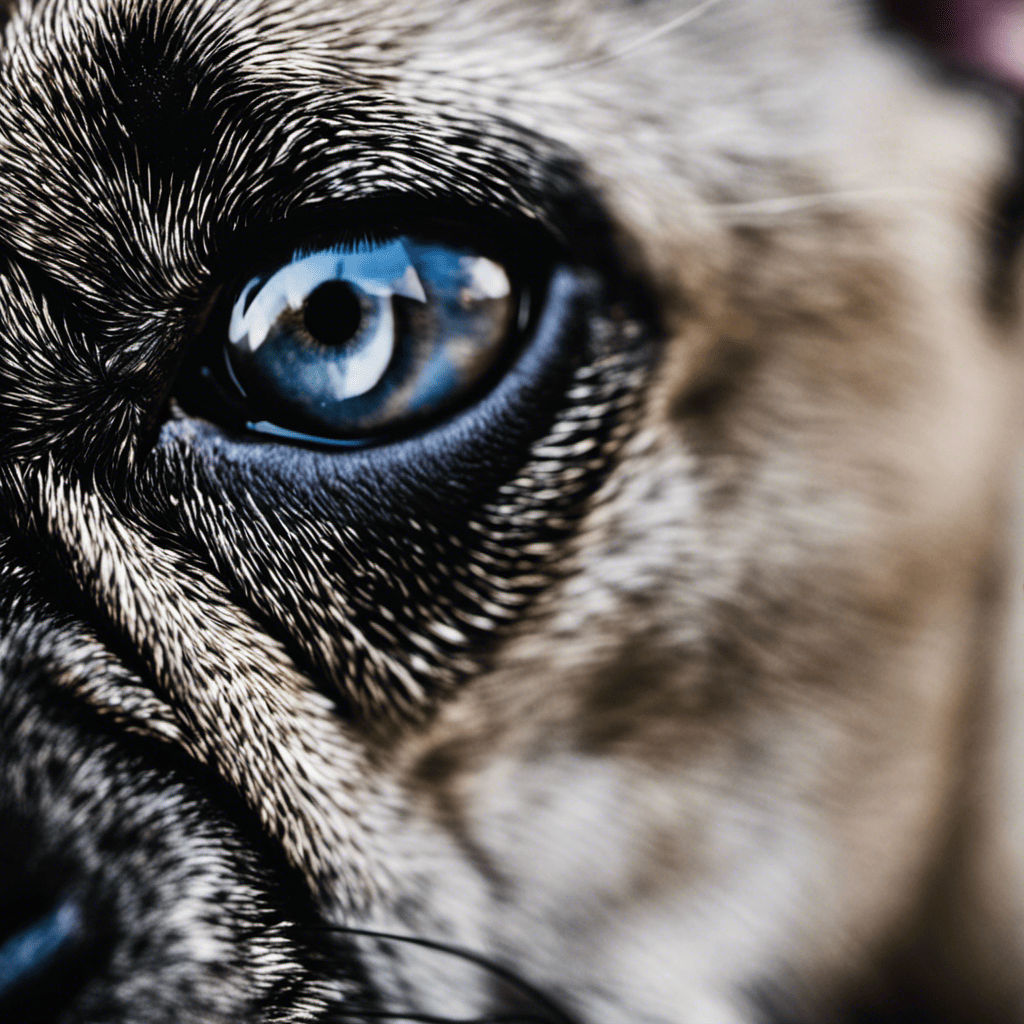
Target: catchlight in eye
[{"x": 356, "y": 341}]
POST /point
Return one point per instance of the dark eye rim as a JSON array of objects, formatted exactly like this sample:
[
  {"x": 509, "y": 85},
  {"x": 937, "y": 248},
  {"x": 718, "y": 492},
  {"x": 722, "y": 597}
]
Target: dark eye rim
[
  {"x": 466, "y": 454},
  {"x": 207, "y": 388}
]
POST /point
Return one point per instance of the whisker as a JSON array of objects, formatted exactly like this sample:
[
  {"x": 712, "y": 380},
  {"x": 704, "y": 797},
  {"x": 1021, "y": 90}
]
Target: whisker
[
  {"x": 355, "y": 1013},
  {"x": 644, "y": 39},
  {"x": 552, "y": 1011}
]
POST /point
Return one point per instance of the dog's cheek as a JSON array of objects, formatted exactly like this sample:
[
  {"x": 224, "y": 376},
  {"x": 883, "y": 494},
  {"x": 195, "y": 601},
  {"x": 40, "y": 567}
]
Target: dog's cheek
[{"x": 745, "y": 617}]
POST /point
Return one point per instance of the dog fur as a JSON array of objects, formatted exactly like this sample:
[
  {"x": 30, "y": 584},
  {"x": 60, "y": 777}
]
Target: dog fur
[{"x": 664, "y": 683}]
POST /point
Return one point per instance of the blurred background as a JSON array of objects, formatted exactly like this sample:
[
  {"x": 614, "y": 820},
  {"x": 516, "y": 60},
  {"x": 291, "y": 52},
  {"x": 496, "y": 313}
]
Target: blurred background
[{"x": 987, "y": 33}]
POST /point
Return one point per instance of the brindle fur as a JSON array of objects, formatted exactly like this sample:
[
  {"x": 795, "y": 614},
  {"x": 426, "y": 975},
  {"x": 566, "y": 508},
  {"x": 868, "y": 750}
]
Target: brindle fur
[{"x": 682, "y": 702}]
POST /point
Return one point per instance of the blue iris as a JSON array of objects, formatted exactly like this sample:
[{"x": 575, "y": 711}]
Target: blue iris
[{"x": 353, "y": 341}]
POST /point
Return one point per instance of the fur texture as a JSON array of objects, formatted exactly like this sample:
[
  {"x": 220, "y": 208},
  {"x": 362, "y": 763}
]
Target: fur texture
[{"x": 663, "y": 682}]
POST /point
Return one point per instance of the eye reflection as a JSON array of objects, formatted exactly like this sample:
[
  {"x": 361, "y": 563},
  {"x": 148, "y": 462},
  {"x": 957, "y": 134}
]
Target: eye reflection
[{"x": 352, "y": 341}]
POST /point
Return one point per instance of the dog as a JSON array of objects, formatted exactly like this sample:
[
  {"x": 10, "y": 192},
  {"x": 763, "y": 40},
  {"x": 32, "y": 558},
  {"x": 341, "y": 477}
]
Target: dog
[{"x": 507, "y": 514}]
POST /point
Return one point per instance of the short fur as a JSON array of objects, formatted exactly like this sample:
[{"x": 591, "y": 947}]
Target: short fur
[{"x": 664, "y": 683}]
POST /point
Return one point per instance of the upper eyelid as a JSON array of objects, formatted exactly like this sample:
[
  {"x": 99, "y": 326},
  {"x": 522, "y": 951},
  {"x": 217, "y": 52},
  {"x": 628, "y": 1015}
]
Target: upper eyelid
[
  {"x": 350, "y": 176},
  {"x": 373, "y": 216}
]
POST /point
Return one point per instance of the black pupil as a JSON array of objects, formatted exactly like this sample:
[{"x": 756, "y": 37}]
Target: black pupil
[{"x": 332, "y": 313}]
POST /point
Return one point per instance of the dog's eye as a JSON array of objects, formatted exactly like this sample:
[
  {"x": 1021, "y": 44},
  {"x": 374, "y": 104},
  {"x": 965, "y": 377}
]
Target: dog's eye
[{"x": 358, "y": 341}]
